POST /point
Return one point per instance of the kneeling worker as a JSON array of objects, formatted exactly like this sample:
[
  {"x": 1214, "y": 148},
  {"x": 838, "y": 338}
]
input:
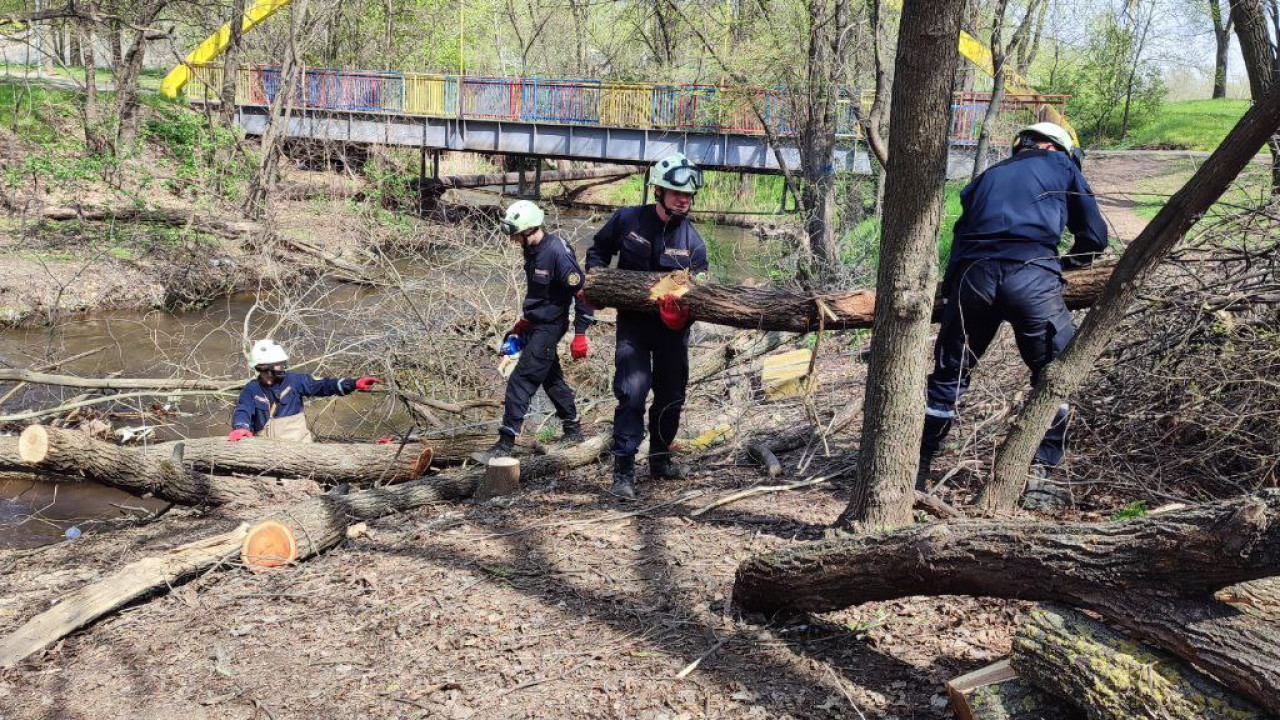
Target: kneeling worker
[
  {"x": 271, "y": 405},
  {"x": 554, "y": 280}
]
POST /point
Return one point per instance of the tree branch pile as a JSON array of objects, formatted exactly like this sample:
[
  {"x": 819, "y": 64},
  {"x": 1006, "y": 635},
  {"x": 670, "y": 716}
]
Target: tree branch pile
[{"x": 1153, "y": 576}]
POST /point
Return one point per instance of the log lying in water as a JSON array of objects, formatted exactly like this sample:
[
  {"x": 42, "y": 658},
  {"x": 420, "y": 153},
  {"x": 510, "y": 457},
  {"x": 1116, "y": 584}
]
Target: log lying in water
[
  {"x": 767, "y": 309},
  {"x": 1153, "y": 576},
  {"x": 1082, "y": 660},
  {"x": 39, "y": 378},
  {"x": 70, "y": 453},
  {"x": 331, "y": 515}
]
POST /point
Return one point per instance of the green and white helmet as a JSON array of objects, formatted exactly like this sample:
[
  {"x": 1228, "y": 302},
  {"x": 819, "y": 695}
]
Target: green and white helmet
[
  {"x": 267, "y": 352},
  {"x": 676, "y": 172},
  {"x": 522, "y": 215}
]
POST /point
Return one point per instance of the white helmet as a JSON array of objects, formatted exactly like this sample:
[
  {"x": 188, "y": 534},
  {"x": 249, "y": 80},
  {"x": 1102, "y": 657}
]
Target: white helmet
[
  {"x": 522, "y": 215},
  {"x": 1051, "y": 132},
  {"x": 676, "y": 172},
  {"x": 267, "y": 352}
]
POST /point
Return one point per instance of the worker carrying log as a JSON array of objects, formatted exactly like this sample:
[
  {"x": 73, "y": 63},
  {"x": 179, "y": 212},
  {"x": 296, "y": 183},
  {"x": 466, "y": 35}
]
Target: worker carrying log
[
  {"x": 271, "y": 405},
  {"x": 652, "y": 351},
  {"x": 1005, "y": 267},
  {"x": 553, "y": 281}
]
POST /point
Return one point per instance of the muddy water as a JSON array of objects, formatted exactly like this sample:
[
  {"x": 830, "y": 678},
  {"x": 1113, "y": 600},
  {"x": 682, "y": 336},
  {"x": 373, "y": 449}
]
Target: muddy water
[{"x": 208, "y": 343}]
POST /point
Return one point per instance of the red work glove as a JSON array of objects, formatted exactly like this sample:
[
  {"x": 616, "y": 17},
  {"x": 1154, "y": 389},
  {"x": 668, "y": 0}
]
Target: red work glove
[
  {"x": 385, "y": 440},
  {"x": 674, "y": 315},
  {"x": 239, "y": 434},
  {"x": 519, "y": 328},
  {"x": 579, "y": 347},
  {"x": 365, "y": 384}
]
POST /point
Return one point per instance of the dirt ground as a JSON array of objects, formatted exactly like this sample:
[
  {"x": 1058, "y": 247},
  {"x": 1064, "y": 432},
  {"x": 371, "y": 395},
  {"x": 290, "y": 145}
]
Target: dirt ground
[{"x": 557, "y": 602}]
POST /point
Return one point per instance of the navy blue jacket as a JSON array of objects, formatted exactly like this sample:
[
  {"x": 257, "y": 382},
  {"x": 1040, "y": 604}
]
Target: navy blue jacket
[
  {"x": 1017, "y": 210},
  {"x": 554, "y": 277},
  {"x": 259, "y": 404},
  {"x": 643, "y": 242}
]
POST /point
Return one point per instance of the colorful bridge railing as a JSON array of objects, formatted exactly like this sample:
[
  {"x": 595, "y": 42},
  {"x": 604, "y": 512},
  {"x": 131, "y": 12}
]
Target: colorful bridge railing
[{"x": 702, "y": 108}]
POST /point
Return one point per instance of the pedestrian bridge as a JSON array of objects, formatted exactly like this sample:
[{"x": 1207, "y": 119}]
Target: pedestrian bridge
[{"x": 718, "y": 127}]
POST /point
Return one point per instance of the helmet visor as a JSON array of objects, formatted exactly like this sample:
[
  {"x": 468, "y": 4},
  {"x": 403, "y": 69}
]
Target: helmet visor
[
  {"x": 684, "y": 176},
  {"x": 509, "y": 227}
]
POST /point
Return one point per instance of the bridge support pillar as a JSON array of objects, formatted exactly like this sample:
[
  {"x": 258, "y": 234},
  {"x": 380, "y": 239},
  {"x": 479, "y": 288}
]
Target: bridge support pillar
[{"x": 537, "y": 180}]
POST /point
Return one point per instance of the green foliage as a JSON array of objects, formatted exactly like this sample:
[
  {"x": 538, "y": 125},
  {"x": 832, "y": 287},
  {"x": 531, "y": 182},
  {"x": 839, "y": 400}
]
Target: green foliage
[
  {"x": 1187, "y": 125},
  {"x": 1132, "y": 510},
  {"x": 863, "y": 244},
  {"x": 196, "y": 146},
  {"x": 34, "y": 113},
  {"x": 1101, "y": 78}
]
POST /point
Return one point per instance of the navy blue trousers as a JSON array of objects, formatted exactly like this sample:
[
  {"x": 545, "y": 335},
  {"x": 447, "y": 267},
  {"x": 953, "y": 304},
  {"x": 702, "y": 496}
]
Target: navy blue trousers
[
  {"x": 978, "y": 297},
  {"x": 538, "y": 366},
  {"x": 648, "y": 355}
]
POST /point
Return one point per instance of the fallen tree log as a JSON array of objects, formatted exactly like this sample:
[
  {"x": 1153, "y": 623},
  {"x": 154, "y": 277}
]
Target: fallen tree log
[
  {"x": 326, "y": 514},
  {"x": 51, "y": 366},
  {"x": 1152, "y": 575},
  {"x": 69, "y": 453},
  {"x": 1081, "y": 660},
  {"x": 10, "y": 461},
  {"x": 39, "y": 378},
  {"x": 135, "y": 580},
  {"x": 767, "y": 309},
  {"x": 155, "y": 216}
]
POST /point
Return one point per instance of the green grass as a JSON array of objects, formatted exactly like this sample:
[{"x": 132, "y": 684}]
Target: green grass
[
  {"x": 1187, "y": 125},
  {"x": 33, "y": 113},
  {"x": 864, "y": 244},
  {"x": 1248, "y": 190},
  {"x": 148, "y": 78}
]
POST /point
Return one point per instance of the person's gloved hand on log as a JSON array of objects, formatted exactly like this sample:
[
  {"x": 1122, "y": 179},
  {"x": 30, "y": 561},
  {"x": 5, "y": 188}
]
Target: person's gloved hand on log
[
  {"x": 579, "y": 347},
  {"x": 365, "y": 384},
  {"x": 519, "y": 328},
  {"x": 673, "y": 313},
  {"x": 239, "y": 434}
]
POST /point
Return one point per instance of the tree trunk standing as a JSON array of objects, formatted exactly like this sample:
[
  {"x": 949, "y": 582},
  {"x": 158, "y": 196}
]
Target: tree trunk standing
[
  {"x": 90, "y": 114},
  {"x": 1087, "y": 663},
  {"x": 1027, "y": 51},
  {"x": 1141, "y": 43},
  {"x": 893, "y": 412},
  {"x": 873, "y": 128},
  {"x": 231, "y": 66},
  {"x": 826, "y": 57},
  {"x": 265, "y": 176},
  {"x": 126, "y": 81},
  {"x": 1259, "y": 64},
  {"x": 1065, "y": 374},
  {"x": 997, "y": 88},
  {"x": 1222, "y": 38}
]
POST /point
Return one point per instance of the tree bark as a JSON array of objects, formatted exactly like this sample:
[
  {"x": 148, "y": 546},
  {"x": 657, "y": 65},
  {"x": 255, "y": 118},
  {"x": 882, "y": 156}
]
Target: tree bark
[
  {"x": 231, "y": 66},
  {"x": 1085, "y": 662},
  {"x": 1151, "y": 575},
  {"x": 998, "y": 57},
  {"x": 893, "y": 412},
  {"x": 1222, "y": 39},
  {"x": 74, "y": 454},
  {"x": 1131, "y": 274},
  {"x": 1259, "y": 64},
  {"x": 766, "y": 309}
]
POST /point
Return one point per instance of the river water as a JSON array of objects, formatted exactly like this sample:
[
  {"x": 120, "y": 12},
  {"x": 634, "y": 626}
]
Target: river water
[{"x": 209, "y": 343}]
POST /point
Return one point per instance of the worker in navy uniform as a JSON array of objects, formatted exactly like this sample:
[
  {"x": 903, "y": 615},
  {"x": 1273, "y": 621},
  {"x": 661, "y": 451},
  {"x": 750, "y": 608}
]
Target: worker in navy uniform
[
  {"x": 652, "y": 350},
  {"x": 271, "y": 405},
  {"x": 554, "y": 280},
  {"x": 1005, "y": 267}
]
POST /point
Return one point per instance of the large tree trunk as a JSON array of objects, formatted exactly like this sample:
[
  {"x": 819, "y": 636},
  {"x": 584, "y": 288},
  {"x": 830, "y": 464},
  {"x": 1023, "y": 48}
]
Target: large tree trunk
[
  {"x": 893, "y": 412},
  {"x": 1259, "y": 64},
  {"x": 1152, "y": 575},
  {"x": 765, "y": 309},
  {"x": 1139, "y": 261},
  {"x": 75, "y": 454},
  {"x": 1085, "y": 662},
  {"x": 231, "y": 66}
]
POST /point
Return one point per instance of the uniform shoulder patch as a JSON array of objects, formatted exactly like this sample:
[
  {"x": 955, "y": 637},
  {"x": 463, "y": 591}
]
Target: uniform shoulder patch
[{"x": 574, "y": 278}]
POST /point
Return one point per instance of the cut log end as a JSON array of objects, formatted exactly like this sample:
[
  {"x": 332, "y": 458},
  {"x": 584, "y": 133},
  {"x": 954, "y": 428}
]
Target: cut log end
[
  {"x": 423, "y": 462},
  {"x": 33, "y": 444},
  {"x": 501, "y": 477},
  {"x": 269, "y": 544}
]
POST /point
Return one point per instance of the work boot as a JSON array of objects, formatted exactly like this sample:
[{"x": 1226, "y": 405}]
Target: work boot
[
  {"x": 624, "y": 477},
  {"x": 573, "y": 432},
  {"x": 922, "y": 475},
  {"x": 662, "y": 467},
  {"x": 505, "y": 447},
  {"x": 1042, "y": 494}
]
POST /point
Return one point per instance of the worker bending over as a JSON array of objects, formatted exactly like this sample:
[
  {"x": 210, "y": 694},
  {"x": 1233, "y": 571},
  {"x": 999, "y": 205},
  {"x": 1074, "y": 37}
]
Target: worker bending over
[
  {"x": 553, "y": 280},
  {"x": 652, "y": 351},
  {"x": 271, "y": 405},
  {"x": 1005, "y": 267}
]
